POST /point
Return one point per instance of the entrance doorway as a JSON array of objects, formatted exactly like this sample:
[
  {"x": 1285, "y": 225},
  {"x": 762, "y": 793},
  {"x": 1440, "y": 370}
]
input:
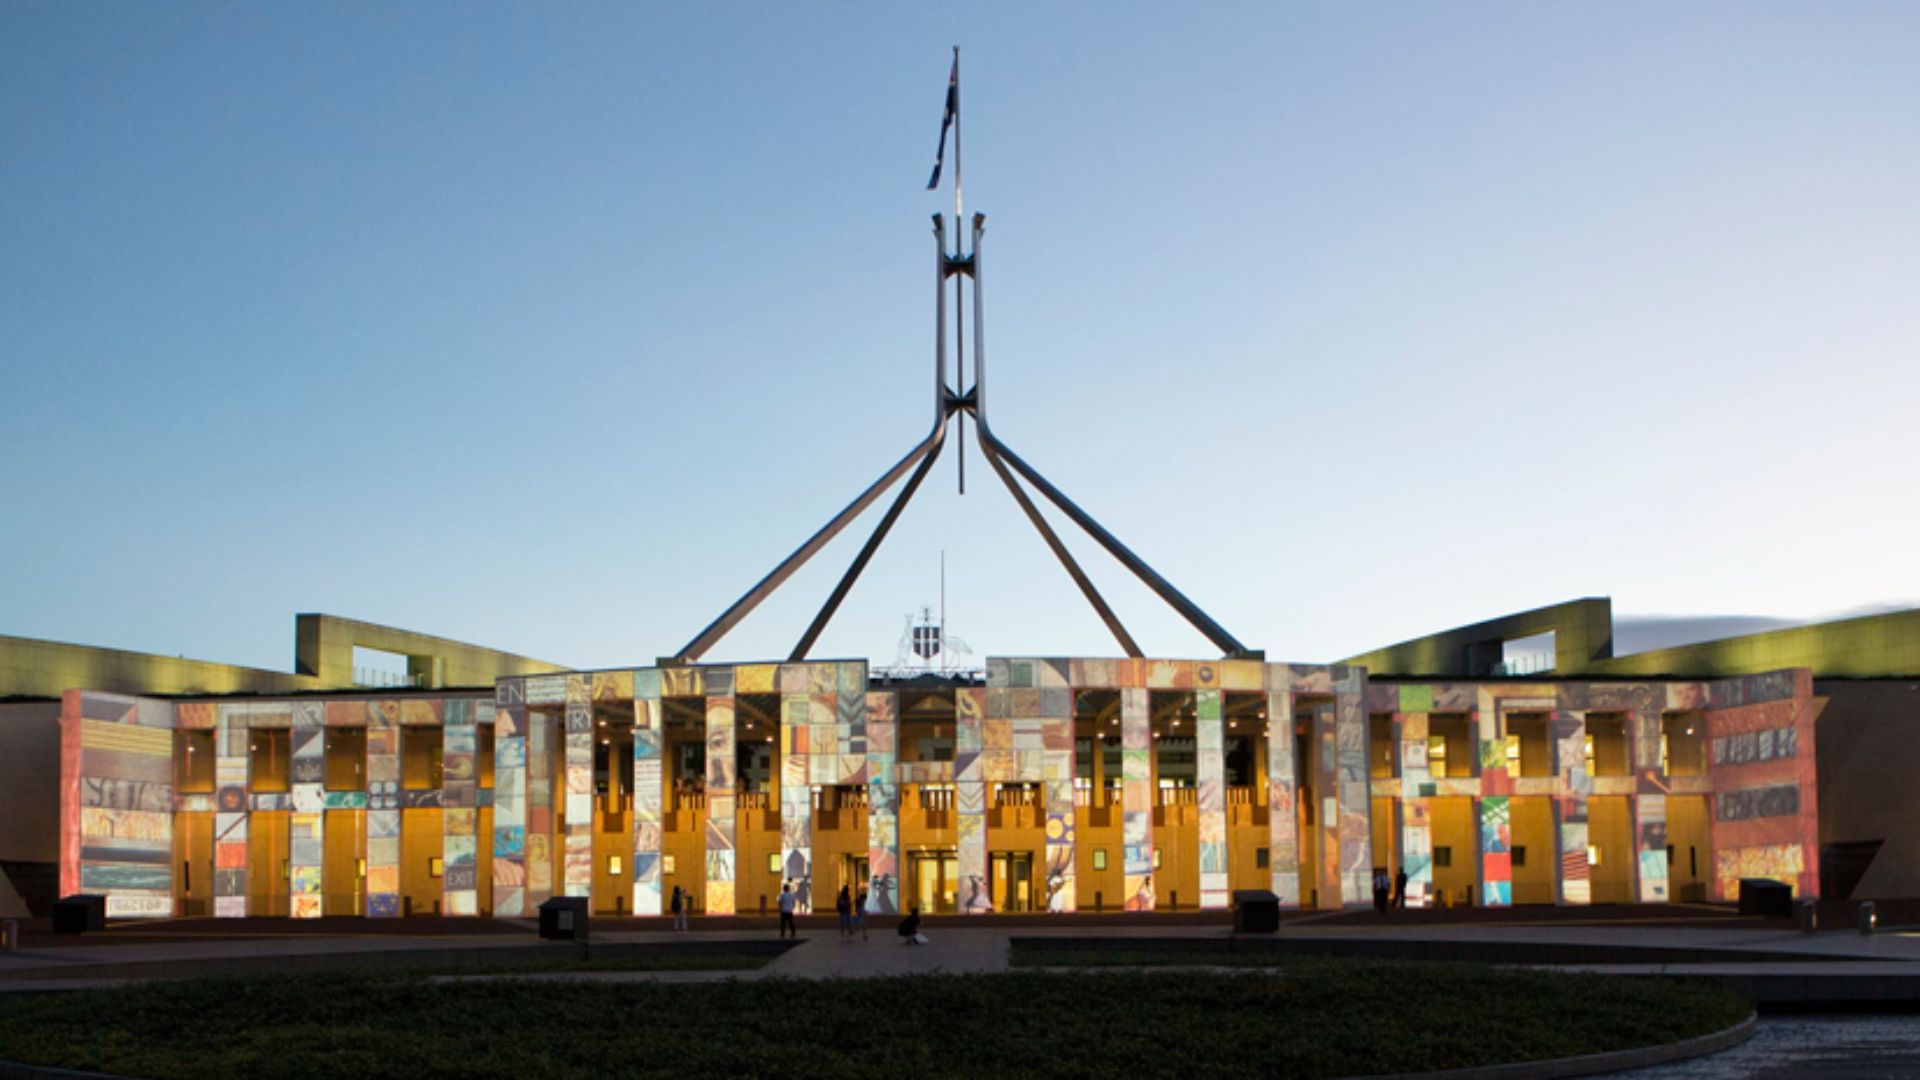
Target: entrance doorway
[
  {"x": 853, "y": 874},
  {"x": 1012, "y": 876},
  {"x": 936, "y": 881}
]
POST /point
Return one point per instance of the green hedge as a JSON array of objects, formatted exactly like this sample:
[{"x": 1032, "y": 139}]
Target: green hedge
[{"x": 1329, "y": 1019}]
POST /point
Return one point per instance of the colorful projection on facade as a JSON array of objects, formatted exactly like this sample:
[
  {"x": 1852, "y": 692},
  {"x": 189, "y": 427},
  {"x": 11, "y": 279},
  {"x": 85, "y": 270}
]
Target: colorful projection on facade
[{"x": 1742, "y": 749}]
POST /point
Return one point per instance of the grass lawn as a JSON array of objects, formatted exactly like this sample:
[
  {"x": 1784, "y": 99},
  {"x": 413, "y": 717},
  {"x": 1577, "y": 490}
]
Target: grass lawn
[
  {"x": 1339, "y": 1019},
  {"x": 1106, "y": 956}
]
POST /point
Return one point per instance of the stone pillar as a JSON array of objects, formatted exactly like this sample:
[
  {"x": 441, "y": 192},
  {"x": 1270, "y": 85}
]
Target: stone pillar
[
  {"x": 796, "y": 775},
  {"x": 1494, "y": 811},
  {"x": 510, "y": 798},
  {"x": 1413, "y": 729},
  {"x": 721, "y": 854},
  {"x": 233, "y": 801},
  {"x": 306, "y": 825},
  {"x": 1649, "y": 807},
  {"x": 577, "y": 861},
  {"x": 1283, "y": 818},
  {"x": 1354, "y": 833},
  {"x": 1573, "y": 875},
  {"x": 649, "y": 792},
  {"x": 1056, "y": 735},
  {"x": 460, "y": 810},
  {"x": 1211, "y": 766},
  {"x": 383, "y": 809},
  {"x": 1136, "y": 796},
  {"x": 883, "y": 804},
  {"x": 540, "y": 875},
  {"x": 970, "y": 799}
]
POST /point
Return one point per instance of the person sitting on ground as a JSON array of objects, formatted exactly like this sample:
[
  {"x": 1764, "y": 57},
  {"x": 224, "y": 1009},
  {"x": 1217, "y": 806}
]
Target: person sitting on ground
[{"x": 909, "y": 930}]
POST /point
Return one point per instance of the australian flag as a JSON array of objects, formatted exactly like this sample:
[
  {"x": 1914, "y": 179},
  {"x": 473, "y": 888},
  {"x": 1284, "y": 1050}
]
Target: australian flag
[{"x": 946, "y": 120}]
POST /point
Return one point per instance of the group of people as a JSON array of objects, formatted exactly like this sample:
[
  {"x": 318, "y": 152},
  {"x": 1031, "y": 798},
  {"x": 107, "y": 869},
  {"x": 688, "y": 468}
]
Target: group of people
[
  {"x": 1389, "y": 891},
  {"x": 852, "y": 910}
]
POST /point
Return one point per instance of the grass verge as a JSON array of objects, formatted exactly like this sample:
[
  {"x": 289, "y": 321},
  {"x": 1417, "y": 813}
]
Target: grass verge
[{"x": 1341, "y": 1019}]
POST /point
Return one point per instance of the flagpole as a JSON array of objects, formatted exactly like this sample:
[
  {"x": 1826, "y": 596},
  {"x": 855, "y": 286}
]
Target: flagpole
[
  {"x": 959, "y": 334},
  {"x": 958, "y": 216}
]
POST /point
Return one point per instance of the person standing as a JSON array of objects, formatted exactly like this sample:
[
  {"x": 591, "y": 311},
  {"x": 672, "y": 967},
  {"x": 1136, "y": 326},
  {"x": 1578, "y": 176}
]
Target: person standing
[
  {"x": 860, "y": 914},
  {"x": 679, "y": 907},
  {"x": 786, "y": 911},
  {"x": 843, "y": 904},
  {"x": 1380, "y": 888},
  {"x": 1400, "y": 889}
]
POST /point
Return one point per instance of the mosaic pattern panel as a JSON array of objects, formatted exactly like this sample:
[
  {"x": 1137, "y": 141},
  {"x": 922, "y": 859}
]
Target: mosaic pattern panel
[
  {"x": 883, "y": 804},
  {"x": 797, "y": 733},
  {"x": 306, "y": 827},
  {"x": 116, "y": 773},
  {"x": 1760, "y": 756},
  {"x": 510, "y": 800},
  {"x": 1416, "y": 784},
  {"x": 1354, "y": 795},
  {"x": 232, "y": 803},
  {"x": 1649, "y": 806},
  {"x": 970, "y": 799},
  {"x": 383, "y": 809},
  {"x": 540, "y": 788},
  {"x": 1283, "y": 826},
  {"x": 1568, "y": 731},
  {"x": 1136, "y": 796},
  {"x": 577, "y": 879},
  {"x": 649, "y": 793},
  {"x": 460, "y": 816},
  {"x": 720, "y": 800},
  {"x": 1496, "y": 787},
  {"x": 1212, "y": 769}
]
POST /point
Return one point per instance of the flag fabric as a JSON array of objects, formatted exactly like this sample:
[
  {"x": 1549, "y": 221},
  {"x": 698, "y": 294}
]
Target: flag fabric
[{"x": 946, "y": 120}]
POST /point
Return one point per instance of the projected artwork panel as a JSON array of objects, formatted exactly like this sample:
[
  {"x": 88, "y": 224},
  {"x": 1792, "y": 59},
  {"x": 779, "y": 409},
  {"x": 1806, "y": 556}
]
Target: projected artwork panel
[
  {"x": 306, "y": 840},
  {"x": 649, "y": 795},
  {"x": 117, "y": 801}
]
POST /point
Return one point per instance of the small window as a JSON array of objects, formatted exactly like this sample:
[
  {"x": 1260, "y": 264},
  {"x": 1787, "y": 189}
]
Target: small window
[
  {"x": 1099, "y": 858},
  {"x": 1156, "y": 858},
  {"x": 1519, "y": 854},
  {"x": 436, "y": 866},
  {"x": 613, "y": 866},
  {"x": 1260, "y": 858},
  {"x": 773, "y": 862},
  {"x": 1443, "y": 857},
  {"x": 666, "y": 864}
]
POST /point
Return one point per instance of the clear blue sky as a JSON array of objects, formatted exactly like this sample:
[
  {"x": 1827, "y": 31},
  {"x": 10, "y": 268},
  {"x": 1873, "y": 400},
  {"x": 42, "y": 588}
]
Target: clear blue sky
[{"x": 553, "y": 328}]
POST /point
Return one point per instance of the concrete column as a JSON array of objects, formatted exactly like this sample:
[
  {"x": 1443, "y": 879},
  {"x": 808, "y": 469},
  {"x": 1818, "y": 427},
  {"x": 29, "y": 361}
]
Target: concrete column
[
  {"x": 1211, "y": 766},
  {"x": 796, "y": 790},
  {"x": 1573, "y": 876},
  {"x": 383, "y": 809},
  {"x": 1649, "y": 807},
  {"x": 1353, "y": 788},
  {"x": 883, "y": 804},
  {"x": 577, "y": 864},
  {"x": 1416, "y": 822},
  {"x": 1136, "y": 796},
  {"x": 720, "y": 809},
  {"x": 509, "y": 883},
  {"x": 306, "y": 825},
  {"x": 460, "y": 809},
  {"x": 970, "y": 799},
  {"x": 1283, "y": 821},
  {"x": 649, "y": 792}
]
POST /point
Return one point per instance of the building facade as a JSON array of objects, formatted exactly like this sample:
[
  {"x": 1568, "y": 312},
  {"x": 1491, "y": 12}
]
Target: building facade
[{"x": 1052, "y": 784}]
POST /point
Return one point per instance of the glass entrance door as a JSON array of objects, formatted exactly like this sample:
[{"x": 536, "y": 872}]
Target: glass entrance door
[
  {"x": 1012, "y": 875},
  {"x": 936, "y": 881},
  {"x": 853, "y": 874}
]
